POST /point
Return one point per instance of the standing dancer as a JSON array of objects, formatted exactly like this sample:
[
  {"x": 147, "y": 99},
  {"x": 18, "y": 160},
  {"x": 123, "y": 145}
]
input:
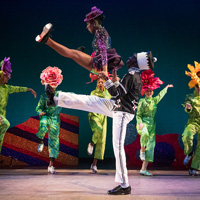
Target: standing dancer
[
  {"x": 105, "y": 58},
  {"x": 98, "y": 124},
  {"x": 49, "y": 116},
  {"x": 146, "y": 112},
  {"x": 192, "y": 107},
  {"x": 122, "y": 109},
  {"x": 5, "y": 90}
]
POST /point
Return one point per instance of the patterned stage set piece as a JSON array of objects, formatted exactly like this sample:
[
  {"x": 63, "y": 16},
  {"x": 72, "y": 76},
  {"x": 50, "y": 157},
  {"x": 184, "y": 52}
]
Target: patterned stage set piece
[
  {"x": 168, "y": 153},
  {"x": 20, "y": 144}
]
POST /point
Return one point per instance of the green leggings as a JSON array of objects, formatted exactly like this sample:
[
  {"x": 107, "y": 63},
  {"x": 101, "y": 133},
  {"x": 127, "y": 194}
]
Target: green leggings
[
  {"x": 148, "y": 140},
  {"x": 98, "y": 126},
  {"x": 51, "y": 124},
  {"x": 4, "y": 125},
  {"x": 187, "y": 137}
]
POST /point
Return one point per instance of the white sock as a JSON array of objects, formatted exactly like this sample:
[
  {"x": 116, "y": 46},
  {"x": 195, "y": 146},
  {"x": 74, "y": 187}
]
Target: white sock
[
  {"x": 124, "y": 185},
  {"x": 55, "y": 100}
]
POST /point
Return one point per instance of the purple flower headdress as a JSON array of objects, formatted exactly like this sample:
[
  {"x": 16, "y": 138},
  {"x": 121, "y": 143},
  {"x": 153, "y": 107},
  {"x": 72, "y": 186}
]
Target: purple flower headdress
[{"x": 6, "y": 67}]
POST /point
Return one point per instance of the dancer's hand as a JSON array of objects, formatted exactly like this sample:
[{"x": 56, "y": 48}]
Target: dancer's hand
[
  {"x": 1, "y": 120},
  {"x": 188, "y": 106},
  {"x": 115, "y": 78},
  {"x": 103, "y": 75},
  {"x": 33, "y": 92},
  {"x": 42, "y": 113},
  {"x": 141, "y": 126},
  {"x": 169, "y": 85}
]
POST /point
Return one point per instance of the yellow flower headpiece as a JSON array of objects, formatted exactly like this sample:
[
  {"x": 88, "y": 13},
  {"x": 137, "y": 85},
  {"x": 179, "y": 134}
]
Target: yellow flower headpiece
[{"x": 194, "y": 74}]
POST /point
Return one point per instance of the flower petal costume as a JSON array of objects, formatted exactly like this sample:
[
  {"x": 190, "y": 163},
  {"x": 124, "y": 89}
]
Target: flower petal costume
[
  {"x": 194, "y": 74},
  {"x": 51, "y": 120},
  {"x": 193, "y": 124},
  {"x": 5, "y": 90},
  {"x": 146, "y": 112}
]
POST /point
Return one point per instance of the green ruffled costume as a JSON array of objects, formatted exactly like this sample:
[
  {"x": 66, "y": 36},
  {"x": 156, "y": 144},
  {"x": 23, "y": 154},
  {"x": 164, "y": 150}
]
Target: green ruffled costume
[
  {"x": 98, "y": 124},
  {"x": 192, "y": 127},
  {"x": 146, "y": 112},
  {"x": 51, "y": 123},
  {"x": 5, "y": 90}
]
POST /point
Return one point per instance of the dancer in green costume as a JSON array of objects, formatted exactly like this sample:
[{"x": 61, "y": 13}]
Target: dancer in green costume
[
  {"x": 98, "y": 124},
  {"x": 192, "y": 107},
  {"x": 5, "y": 90},
  {"x": 49, "y": 116},
  {"x": 146, "y": 124}
]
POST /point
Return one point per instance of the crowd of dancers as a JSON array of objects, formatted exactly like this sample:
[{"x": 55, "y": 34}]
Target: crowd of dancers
[{"x": 115, "y": 98}]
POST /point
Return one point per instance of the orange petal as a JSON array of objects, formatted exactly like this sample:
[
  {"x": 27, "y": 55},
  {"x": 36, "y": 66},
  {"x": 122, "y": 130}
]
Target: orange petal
[
  {"x": 187, "y": 73},
  {"x": 192, "y": 83}
]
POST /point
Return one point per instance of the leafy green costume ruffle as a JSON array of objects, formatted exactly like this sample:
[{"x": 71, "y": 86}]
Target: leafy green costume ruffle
[
  {"x": 98, "y": 124},
  {"x": 51, "y": 123},
  {"x": 146, "y": 112},
  {"x": 192, "y": 127},
  {"x": 5, "y": 90}
]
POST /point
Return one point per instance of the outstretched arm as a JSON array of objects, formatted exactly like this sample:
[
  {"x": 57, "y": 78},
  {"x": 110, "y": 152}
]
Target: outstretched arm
[
  {"x": 32, "y": 91},
  {"x": 162, "y": 93}
]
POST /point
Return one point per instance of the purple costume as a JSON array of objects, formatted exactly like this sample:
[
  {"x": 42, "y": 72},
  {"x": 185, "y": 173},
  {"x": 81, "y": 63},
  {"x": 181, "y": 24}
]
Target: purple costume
[{"x": 103, "y": 53}]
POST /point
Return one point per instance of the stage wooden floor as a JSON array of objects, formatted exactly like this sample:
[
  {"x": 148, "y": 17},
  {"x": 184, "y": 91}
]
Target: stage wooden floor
[{"x": 32, "y": 184}]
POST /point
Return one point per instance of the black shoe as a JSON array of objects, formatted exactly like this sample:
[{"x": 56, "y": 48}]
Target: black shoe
[
  {"x": 119, "y": 190},
  {"x": 50, "y": 94}
]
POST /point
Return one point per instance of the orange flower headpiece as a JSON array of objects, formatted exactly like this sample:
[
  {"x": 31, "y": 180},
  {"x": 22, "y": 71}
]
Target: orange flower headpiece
[
  {"x": 149, "y": 81},
  {"x": 194, "y": 74}
]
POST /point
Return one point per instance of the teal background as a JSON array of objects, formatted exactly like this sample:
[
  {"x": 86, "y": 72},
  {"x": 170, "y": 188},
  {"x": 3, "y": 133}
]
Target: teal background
[{"x": 170, "y": 29}]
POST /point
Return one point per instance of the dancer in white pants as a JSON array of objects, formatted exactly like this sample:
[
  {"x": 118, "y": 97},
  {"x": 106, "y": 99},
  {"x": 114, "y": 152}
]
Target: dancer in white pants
[
  {"x": 122, "y": 110},
  {"x": 103, "y": 106}
]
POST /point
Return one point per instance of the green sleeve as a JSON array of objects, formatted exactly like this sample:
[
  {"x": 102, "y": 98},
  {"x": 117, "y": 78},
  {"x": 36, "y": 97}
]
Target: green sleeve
[
  {"x": 161, "y": 94},
  {"x": 41, "y": 105},
  {"x": 16, "y": 89},
  {"x": 139, "y": 112}
]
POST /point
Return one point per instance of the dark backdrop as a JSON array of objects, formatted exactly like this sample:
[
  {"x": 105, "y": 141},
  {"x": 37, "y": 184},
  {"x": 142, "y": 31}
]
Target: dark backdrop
[{"x": 170, "y": 29}]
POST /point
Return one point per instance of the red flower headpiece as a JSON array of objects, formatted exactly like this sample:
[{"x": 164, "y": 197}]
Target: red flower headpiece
[
  {"x": 149, "y": 81},
  {"x": 51, "y": 76}
]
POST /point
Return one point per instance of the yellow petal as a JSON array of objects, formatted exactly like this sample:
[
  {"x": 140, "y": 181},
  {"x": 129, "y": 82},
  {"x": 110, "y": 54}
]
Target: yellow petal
[
  {"x": 191, "y": 68},
  {"x": 197, "y": 66},
  {"x": 192, "y": 83}
]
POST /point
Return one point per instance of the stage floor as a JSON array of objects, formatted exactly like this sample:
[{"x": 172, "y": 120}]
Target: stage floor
[{"x": 81, "y": 184}]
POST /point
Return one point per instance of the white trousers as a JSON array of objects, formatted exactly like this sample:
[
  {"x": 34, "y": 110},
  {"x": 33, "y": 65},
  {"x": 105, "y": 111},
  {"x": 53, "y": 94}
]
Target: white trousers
[{"x": 120, "y": 121}]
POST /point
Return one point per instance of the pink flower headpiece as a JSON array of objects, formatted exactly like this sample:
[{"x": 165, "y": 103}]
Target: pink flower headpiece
[
  {"x": 51, "y": 76},
  {"x": 6, "y": 67},
  {"x": 149, "y": 81}
]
